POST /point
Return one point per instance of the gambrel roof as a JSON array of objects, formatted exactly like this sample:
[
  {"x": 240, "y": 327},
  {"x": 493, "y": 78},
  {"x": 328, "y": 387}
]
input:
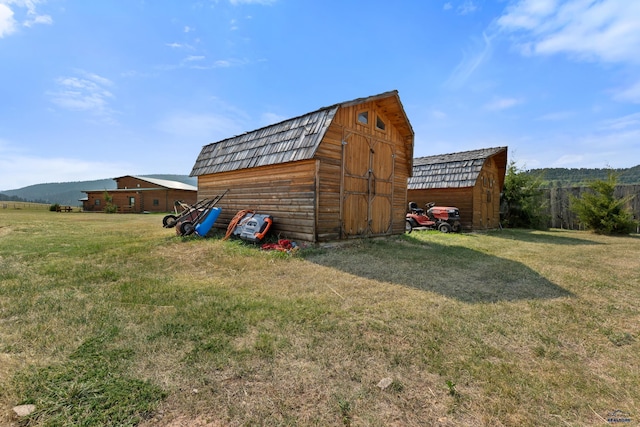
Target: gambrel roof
[
  {"x": 291, "y": 140},
  {"x": 456, "y": 170}
]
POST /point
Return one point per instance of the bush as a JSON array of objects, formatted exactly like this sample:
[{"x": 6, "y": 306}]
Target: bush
[
  {"x": 522, "y": 201},
  {"x": 110, "y": 207},
  {"x": 599, "y": 210},
  {"x": 54, "y": 208}
]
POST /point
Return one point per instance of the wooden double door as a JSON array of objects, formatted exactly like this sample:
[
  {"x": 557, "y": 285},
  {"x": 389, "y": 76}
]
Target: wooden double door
[{"x": 367, "y": 186}]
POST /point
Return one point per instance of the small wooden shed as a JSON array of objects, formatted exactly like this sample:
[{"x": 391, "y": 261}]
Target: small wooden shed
[
  {"x": 471, "y": 181},
  {"x": 336, "y": 173},
  {"x": 136, "y": 194}
]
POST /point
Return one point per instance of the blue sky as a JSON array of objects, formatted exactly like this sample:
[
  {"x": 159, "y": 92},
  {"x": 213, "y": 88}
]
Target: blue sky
[{"x": 100, "y": 89}]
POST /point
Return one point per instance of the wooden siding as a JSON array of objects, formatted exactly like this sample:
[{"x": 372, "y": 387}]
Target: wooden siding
[
  {"x": 143, "y": 200},
  {"x": 129, "y": 182},
  {"x": 318, "y": 198},
  {"x": 385, "y": 214},
  {"x": 479, "y": 205},
  {"x": 148, "y": 195},
  {"x": 486, "y": 196},
  {"x": 286, "y": 192},
  {"x": 329, "y": 174},
  {"x": 471, "y": 181}
]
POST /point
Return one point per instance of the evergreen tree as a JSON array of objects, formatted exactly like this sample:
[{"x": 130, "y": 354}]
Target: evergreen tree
[
  {"x": 109, "y": 206},
  {"x": 522, "y": 202},
  {"x": 599, "y": 210}
]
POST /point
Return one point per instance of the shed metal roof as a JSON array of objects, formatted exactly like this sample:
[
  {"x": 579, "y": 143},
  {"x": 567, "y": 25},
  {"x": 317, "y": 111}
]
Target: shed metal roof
[
  {"x": 291, "y": 140},
  {"x": 165, "y": 183},
  {"x": 455, "y": 170}
]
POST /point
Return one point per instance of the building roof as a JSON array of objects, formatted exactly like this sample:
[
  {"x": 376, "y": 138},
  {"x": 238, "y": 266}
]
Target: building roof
[
  {"x": 455, "y": 170},
  {"x": 165, "y": 183},
  {"x": 291, "y": 140}
]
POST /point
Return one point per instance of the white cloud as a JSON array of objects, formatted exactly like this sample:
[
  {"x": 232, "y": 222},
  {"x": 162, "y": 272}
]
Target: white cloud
[
  {"x": 613, "y": 142},
  {"x": 19, "y": 169},
  {"x": 470, "y": 62},
  {"x": 629, "y": 121},
  {"x": 467, "y": 7},
  {"x": 557, "y": 116},
  {"x": 262, "y": 2},
  {"x": 193, "y": 58},
  {"x": 588, "y": 30},
  {"x": 87, "y": 92},
  {"x": 176, "y": 45},
  {"x": 224, "y": 63},
  {"x": 527, "y": 14},
  {"x": 502, "y": 104},
  {"x": 629, "y": 94},
  {"x": 7, "y": 22},
  {"x": 39, "y": 19},
  {"x": 220, "y": 63}
]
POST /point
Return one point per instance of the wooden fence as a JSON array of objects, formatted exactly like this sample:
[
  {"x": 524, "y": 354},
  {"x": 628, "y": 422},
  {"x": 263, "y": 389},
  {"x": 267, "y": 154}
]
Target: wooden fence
[
  {"x": 559, "y": 205},
  {"x": 23, "y": 205}
]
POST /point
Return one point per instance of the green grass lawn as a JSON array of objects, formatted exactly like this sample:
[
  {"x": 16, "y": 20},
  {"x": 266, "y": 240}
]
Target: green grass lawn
[{"x": 114, "y": 320}]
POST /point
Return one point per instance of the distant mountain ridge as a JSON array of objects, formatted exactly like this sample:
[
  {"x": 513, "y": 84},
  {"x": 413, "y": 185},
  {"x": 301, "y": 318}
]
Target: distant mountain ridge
[{"x": 70, "y": 193}]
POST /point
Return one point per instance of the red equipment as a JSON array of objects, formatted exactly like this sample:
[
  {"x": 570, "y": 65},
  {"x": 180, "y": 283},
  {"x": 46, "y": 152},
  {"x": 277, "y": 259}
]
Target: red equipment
[{"x": 442, "y": 218}]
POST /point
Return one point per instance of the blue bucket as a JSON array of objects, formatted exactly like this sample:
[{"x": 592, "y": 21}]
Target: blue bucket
[{"x": 203, "y": 227}]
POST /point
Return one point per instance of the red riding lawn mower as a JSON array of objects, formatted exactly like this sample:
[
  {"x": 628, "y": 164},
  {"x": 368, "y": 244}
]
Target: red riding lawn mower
[{"x": 442, "y": 218}]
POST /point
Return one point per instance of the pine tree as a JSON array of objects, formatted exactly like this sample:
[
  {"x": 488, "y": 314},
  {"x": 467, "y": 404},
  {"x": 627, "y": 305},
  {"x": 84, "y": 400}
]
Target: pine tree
[{"x": 599, "y": 210}]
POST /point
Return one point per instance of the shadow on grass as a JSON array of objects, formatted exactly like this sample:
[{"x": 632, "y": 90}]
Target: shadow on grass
[
  {"x": 452, "y": 271},
  {"x": 535, "y": 236}
]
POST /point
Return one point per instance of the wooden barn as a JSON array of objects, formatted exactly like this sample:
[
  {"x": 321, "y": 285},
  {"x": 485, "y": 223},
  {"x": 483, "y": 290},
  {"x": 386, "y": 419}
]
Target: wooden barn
[
  {"x": 336, "y": 173},
  {"x": 471, "y": 181},
  {"x": 135, "y": 194}
]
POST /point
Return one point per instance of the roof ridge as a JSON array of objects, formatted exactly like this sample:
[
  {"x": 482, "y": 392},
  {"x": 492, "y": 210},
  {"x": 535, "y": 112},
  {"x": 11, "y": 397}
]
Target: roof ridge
[
  {"x": 477, "y": 150},
  {"x": 293, "y": 139}
]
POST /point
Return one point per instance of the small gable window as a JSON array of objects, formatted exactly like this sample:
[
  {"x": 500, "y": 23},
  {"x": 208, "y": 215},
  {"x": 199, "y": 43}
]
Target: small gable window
[
  {"x": 363, "y": 118},
  {"x": 380, "y": 124}
]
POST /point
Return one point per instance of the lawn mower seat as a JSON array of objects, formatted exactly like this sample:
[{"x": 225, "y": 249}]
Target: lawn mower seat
[{"x": 413, "y": 208}]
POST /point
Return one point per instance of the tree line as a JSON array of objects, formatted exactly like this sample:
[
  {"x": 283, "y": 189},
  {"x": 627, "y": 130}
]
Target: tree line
[
  {"x": 563, "y": 177},
  {"x": 600, "y": 204},
  {"x": 5, "y": 198}
]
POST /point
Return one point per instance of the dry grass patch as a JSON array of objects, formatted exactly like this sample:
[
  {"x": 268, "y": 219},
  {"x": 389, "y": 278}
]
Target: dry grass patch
[{"x": 510, "y": 328}]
